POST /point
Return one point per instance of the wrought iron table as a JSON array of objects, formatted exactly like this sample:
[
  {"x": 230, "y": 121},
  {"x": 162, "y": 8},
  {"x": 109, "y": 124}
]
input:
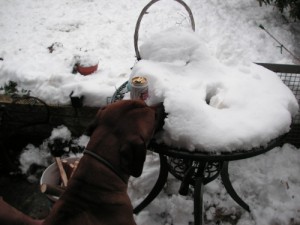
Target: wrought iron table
[{"x": 197, "y": 169}]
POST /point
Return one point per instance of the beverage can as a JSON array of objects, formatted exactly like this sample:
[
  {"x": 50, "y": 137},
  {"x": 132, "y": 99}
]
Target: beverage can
[{"x": 139, "y": 88}]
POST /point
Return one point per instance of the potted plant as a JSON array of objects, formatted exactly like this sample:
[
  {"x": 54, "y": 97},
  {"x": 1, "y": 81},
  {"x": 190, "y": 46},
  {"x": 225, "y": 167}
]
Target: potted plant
[{"x": 86, "y": 64}]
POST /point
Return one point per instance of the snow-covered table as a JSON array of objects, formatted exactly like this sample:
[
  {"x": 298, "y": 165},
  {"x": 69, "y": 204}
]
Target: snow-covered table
[
  {"x": 196, "y": 168},
  {"x": 216, "y": 112},
  {"x": 212, "y": 106}
]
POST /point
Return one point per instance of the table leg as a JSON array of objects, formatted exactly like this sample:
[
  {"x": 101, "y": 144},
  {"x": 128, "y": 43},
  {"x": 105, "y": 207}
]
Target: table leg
[
  {"x": 185, "y": 184},
  {"x": 160, "y": 183},
  {"x": 198, "y": 194},
  {"x": 198, "y": 201},
  {"x": 228, "y": 186}
]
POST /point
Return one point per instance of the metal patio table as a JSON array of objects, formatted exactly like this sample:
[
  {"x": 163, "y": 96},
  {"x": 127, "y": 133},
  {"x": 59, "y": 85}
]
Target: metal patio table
[
  {"x": 195, "y": 168},
  {"x": 198, "y": 169}
]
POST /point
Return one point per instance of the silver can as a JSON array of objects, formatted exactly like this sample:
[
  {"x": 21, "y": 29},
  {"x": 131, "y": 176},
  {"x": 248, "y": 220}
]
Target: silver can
[{"x": 139, "y": 88}]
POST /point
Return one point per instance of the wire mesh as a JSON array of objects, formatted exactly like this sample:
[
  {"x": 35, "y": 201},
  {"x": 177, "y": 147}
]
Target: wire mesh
[{"x": 292, "y": 80}]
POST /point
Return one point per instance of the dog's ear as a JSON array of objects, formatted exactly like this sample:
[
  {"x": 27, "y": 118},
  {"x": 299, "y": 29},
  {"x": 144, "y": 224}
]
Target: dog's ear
[
  {"x": 160, "y": 115},
  {"x": 139, "y": 156},
  {"x": 133, "y": 156}
]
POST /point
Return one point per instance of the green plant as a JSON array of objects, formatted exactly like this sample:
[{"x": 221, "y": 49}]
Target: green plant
[
  {"x": 10, "y": 88},
  {"x": 293, "y": 6}
]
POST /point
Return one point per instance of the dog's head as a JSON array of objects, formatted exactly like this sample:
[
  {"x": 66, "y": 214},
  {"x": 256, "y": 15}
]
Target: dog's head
[{"x": 127, "y": 126}]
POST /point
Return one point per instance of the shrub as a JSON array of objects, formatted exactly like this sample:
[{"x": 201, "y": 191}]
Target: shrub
[{"x": 293, "y": 6}]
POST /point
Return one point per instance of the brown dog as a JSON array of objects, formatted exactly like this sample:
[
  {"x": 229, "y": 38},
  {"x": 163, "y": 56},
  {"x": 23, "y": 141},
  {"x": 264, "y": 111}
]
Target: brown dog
[{"x": 97, "y": 192}]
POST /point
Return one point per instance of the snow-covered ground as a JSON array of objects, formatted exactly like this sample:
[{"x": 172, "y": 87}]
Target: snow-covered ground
[
  {"x": 104, "y": 29},
  {"x": 41, "y": 41}
]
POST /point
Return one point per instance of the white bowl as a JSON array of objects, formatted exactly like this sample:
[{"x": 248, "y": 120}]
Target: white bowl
[{"x": 51, "y": 176}]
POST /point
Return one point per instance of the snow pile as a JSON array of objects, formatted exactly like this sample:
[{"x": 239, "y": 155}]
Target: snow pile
[
  {"x": 61, "y": 132},
  {"x": 34, "y": 155},
  {"x": 41, "y": 155},
  {"x": 41, "y": 45},
  {"x": 205, "y": 99}
]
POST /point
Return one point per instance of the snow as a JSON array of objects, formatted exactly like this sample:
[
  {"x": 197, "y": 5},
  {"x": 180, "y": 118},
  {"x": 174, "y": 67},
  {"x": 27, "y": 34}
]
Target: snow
[
  {"x": 205, "y": 98},
  {"x": 60, "y": 132},
  {"x": 105, "y": 30},
  {"x": 41, "y": 41}
]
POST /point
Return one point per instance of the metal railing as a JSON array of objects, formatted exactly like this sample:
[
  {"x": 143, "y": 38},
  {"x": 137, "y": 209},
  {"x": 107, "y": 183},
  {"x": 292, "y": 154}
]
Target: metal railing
[{"x": 290, "y": 75}]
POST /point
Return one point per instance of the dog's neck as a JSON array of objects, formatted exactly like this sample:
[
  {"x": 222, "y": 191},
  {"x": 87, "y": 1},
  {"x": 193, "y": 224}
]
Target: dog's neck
[
  {"x": 103, "y": 161},
  {"x": 97, "y": 174},
  {"x": 95, "y": 177},
  {"x": 92, "y": 188},
  {"x": 93, "y": 183}
]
